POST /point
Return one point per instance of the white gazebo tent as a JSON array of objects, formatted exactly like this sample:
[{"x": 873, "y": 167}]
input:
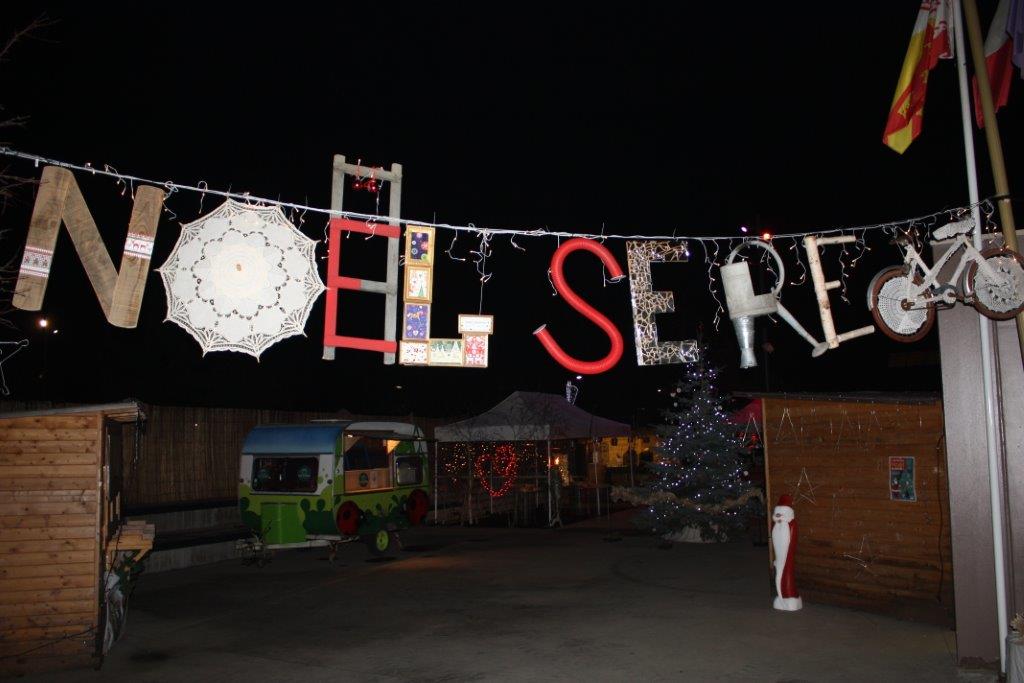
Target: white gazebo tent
[{"x": 532, "y": 416}]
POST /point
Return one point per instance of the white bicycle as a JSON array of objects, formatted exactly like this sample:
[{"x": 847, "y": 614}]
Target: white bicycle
[{"x": 903, "y": 299}]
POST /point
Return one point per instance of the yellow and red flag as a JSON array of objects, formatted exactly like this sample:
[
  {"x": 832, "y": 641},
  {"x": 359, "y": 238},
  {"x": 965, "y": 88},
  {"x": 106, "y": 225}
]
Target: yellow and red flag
[
  {"x": 929, "y": 43},
  {"x": 998, "y": 61}
]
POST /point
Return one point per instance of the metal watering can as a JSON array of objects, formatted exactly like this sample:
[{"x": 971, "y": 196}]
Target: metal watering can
[{"x": 744, "y": 305}]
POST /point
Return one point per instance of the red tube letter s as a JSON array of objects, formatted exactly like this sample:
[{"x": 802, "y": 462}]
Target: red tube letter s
[{"x": 588, "y": 311}]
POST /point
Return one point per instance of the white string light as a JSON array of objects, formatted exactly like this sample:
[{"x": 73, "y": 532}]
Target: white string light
[
  {"x": 864, "y": 248},
  {"x": 842, "y": 275},
  {"x": 451, "y": 246},
  {"x": 795, "y": 248},
  {"x": 712, "y": 262},
  {"x": 246, "y": 197},
  {"x": 480, "y": 262},
  {"x": 202, "y": 185}
]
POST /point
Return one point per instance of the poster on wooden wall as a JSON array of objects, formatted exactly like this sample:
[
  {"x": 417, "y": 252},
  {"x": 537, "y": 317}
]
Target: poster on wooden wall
[{"x": 901, "y": 479}]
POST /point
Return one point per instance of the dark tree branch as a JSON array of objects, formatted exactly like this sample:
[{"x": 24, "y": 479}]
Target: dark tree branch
[{"x": 30, "y": 31}]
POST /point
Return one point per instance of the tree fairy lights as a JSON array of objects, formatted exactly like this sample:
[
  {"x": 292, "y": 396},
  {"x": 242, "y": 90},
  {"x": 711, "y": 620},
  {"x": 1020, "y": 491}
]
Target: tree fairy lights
[{"x": 700, "y": 464}]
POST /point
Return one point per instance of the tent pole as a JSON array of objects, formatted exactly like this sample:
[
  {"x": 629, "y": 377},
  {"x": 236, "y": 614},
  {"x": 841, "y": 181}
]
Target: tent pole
[
  {"x": 536, "y": 481},
  {"x": 631, "y": 453},
  {"x": 550, "y": 518},
  {"x": 437, "y": 456}
]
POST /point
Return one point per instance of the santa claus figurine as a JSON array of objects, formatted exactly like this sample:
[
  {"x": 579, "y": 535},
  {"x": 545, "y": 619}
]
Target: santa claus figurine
[{"x": 784, "y": 543}]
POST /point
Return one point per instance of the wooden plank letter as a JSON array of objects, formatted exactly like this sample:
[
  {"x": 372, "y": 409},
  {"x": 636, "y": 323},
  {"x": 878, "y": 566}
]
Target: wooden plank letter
[
  {"x": 822, "y": 286},
  {"x": 119, "y": 292}
]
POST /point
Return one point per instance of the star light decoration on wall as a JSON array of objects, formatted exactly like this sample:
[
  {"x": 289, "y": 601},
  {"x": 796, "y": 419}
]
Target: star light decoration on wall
[
  {"x": 783, "y": 420},
  {"x": 801, "y": 493},
  {"x": 865, "y": 557},
  {"x": 241, "y": 278}
]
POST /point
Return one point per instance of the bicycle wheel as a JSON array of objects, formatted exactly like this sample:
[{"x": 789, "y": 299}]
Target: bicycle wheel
[
  {"x": 886, "y": 295},
  {"x": 999, "y": 300}
]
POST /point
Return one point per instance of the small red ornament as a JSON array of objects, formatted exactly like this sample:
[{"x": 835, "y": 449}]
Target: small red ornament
[{"x": 362, "y": 183}]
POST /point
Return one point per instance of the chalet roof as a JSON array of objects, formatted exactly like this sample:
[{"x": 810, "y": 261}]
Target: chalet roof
[
  {"x": 896, "y": 397},
  {"x": 128, "y": 411}
]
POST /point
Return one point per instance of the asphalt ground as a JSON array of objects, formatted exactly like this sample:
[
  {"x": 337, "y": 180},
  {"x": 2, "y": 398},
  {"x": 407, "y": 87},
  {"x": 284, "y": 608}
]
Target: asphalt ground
[{"x": 589, "y": 602}]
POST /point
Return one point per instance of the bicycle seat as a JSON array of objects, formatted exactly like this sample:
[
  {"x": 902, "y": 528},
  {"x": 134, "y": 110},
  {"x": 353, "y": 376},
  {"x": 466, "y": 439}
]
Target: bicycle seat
[{"x": 960, "y": 227}]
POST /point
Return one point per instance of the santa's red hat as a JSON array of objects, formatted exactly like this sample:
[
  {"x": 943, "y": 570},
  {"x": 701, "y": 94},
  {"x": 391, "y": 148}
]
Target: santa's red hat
[{"x": 786, "y": 499}]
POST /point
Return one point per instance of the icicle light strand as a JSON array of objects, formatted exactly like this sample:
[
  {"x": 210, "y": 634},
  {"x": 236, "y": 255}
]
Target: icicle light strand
[{"x": 203, "y": 189}]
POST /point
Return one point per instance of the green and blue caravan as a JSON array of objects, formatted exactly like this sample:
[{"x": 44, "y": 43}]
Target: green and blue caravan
[{"x": 326, "y": 483}]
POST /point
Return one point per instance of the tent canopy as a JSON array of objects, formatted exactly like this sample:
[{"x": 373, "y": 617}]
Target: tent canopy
[
  {"x": 531, "y": 416},
  {"x": 744, "y": 414}
]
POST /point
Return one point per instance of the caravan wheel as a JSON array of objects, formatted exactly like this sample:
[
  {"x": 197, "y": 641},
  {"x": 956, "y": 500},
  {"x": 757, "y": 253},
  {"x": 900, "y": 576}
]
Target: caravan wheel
[
  {"x": 416, "y": 506},
  {"x": 381, "y": 543},
  {"x": 348, "y": 518}
]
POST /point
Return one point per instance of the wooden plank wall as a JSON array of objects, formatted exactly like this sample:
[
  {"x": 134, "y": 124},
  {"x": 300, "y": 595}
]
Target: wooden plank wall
[
  {"x": 857, "y": 548},
  {"x": 49, "y": 554},
  {"x": 191, "y": 454}
]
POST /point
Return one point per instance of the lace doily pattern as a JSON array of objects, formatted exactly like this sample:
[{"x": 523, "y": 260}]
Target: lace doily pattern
[{"x": 241, "y": 278}]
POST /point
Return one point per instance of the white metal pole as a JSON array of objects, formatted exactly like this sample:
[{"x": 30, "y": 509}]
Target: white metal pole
[{"x": 987, "y": 365}]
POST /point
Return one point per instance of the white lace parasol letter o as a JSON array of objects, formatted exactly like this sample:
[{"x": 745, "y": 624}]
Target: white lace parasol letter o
[{"x": 241, "y": 278}]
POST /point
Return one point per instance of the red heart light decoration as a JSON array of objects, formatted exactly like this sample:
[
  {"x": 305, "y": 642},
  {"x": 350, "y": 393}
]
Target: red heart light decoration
[{"x": 503, "y": 463}]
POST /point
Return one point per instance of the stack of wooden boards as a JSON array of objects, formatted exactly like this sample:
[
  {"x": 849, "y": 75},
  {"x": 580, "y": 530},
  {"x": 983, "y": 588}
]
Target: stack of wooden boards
[{"x": 132, "y": 536}]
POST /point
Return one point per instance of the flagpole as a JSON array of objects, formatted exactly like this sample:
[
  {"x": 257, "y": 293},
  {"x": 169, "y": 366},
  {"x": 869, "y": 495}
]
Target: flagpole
[
  {"x": 995, "y": 145},
  {"x": 992, "y": 405}
]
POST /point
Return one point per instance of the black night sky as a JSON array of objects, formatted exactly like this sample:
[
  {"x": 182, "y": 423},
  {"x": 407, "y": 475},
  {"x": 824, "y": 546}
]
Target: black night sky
[{"x": 693, "y": 119}]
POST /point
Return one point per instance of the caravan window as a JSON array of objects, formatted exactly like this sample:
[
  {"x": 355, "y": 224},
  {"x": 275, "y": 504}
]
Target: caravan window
[
  {"x": 366, "y": 453},
  {"x": 408, "y": 470},
  {"x": 285, "y": 474}
]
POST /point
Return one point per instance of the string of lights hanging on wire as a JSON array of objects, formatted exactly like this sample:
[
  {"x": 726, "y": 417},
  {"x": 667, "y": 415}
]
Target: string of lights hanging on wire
[
  {"x": 128, "y": 182},
  {"x": 244, "y": 274}
]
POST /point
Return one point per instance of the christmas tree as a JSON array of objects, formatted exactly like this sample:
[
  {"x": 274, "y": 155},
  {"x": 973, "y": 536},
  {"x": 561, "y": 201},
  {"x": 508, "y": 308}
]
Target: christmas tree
[{"x": 698, "y": 472}]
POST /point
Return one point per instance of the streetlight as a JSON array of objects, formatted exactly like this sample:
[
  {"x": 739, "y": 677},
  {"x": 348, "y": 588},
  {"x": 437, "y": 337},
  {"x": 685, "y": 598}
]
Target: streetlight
[{"x": 44, "y": 324}]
